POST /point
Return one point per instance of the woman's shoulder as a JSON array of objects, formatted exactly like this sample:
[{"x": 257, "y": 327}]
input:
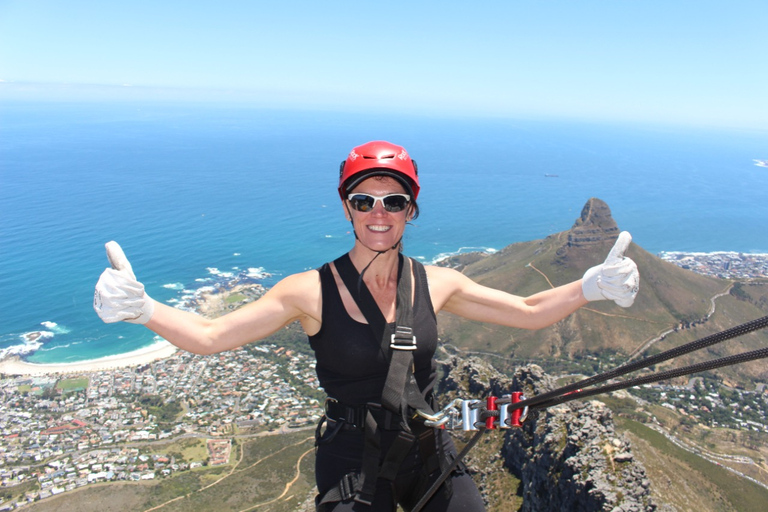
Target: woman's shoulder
[
  {"x": 301, "y": 282},
  {"x": 441, "y": 273},
  {"x": 443, "y": 283}
]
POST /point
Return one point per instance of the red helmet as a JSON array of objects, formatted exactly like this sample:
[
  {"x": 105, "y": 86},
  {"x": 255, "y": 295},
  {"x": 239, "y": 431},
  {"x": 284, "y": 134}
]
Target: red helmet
[{"x": 378, "y": 158}]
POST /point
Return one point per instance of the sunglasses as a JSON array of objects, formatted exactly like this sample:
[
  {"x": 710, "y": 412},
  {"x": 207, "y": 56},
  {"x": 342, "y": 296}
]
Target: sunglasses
[{"x": 392, "y": 202}]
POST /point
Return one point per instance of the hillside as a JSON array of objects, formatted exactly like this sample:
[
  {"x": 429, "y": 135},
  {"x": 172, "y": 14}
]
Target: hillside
[{"x": 670, "y": 299}]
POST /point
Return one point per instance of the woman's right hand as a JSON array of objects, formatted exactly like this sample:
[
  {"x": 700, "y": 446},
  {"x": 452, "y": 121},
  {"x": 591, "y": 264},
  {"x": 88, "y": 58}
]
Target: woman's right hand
[{"x": 119, "y": 296}]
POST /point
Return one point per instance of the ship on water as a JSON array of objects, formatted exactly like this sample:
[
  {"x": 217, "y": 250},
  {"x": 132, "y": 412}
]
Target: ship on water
[{"x": 761, "y": 163}]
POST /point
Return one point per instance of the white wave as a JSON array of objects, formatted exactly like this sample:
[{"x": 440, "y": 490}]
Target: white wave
[
  {"x": 173, "y": 286},
  {"x": 218, "y": 273},
  {"x": 236, "y": 254},
  {"x": 257, "y": 273},
  {"x": 55, "y": 328},
  {"x": 31, "y": 342},
  {"x": 463, "y": 250},
  {"x": 50, "y": 349}
]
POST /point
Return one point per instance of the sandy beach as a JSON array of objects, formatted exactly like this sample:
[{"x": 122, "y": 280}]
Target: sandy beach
[
  {"x": 210, "y": 304},
  {"x": 15, "y": 366}
]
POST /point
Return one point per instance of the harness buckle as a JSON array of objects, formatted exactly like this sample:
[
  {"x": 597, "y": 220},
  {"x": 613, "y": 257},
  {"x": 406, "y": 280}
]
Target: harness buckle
[
  {"x": 403, "y": 339},
  {"x": 347, "y": 486}
]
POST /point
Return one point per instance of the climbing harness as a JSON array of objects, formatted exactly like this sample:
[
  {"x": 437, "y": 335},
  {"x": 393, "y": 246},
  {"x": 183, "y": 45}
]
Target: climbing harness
[{"x": 401, "y": 395}]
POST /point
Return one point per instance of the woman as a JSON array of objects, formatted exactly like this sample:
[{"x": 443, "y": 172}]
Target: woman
[{"x": 370, "y": 317}]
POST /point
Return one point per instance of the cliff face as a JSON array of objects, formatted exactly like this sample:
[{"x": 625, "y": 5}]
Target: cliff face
[
  {"x": 570, "y": 457},
  {"x": 595, "y": 225},
  {"x": 567, "y": 457}
]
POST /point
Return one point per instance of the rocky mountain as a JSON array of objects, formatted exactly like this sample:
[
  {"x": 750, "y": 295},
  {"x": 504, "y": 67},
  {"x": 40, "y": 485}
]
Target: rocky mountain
[
  {"x": 674, "y": 305},
  {"x": 595, "y": 226}
]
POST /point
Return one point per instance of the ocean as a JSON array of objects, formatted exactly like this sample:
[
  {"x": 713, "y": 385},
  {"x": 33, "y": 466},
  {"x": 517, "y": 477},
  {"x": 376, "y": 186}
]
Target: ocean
[{"x": 199, "y": 196}]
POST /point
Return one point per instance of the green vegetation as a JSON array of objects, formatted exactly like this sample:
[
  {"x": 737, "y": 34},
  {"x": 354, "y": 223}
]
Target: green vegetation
[
  {"x": 235, "y": 297},
  {"x": 72, "y": 385},
  {"x": 165, "y": 412}
]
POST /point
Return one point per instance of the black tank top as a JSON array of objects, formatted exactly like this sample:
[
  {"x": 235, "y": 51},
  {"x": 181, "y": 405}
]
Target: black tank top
[{"x": 351, "y": 365}]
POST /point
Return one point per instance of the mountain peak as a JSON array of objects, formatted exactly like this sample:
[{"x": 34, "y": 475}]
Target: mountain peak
[{"x": 595, "y": 226}]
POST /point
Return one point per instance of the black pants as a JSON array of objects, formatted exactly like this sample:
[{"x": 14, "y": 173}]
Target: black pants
[{"x": 343, "y": 455}]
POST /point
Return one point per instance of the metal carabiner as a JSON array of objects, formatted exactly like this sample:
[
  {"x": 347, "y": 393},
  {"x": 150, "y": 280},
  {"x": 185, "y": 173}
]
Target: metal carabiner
[
  {"x": 445, "y": 418},
  {"x": 517, "y": 416}
]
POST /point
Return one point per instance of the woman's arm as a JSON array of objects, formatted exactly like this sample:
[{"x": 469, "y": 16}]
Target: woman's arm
[
  {"x": 119, "y": 296},
  {"x": 296, "y": 297},
  {"x": 616, "y": 279},
  {"x": 456, "y": 293}
]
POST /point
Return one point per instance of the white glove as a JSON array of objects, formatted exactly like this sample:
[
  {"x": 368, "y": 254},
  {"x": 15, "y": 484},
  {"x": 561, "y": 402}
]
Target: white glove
[
  {"x": 119, "y": 296},
  {"x": 617, "y": 279}
]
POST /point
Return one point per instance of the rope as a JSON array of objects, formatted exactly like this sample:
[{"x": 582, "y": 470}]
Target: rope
[
  {"x": 447, "y": 472},
  {"x": 699, "y": 344},
  {"x": 670, "y": 374}
]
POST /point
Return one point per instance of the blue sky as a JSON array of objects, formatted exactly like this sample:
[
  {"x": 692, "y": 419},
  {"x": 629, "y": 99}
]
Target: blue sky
[{"x": 691, "y": 62}]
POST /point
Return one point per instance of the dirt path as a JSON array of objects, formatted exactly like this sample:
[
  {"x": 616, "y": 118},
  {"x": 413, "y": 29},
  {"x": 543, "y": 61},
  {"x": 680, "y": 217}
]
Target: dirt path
[
  {"x": 648, "y": 344},
  {"x": 288, "y": 485},
  {"x": 235, "y": 469}
]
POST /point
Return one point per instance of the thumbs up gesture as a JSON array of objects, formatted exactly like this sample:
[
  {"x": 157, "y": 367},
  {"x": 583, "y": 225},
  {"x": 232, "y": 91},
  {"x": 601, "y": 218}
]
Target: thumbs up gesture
[
  {"x": 119, "y": 296},
  {"x": 616, "y": 279}
]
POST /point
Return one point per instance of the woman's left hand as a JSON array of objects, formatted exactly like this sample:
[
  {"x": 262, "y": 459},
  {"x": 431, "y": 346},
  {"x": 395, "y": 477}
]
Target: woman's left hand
[{"x": 616, "y": 279}]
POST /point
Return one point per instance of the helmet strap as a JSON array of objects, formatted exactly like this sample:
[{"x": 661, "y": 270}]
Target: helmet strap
[{"x": 378, "y": 253}]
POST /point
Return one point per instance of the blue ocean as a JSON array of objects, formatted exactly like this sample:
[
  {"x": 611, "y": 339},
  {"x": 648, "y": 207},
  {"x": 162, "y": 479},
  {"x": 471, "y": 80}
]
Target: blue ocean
[{"x": 199, "y": 196}]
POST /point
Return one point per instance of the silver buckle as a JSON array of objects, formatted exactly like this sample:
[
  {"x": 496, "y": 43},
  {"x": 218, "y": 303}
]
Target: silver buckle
[{"x": 403, "y": 339}]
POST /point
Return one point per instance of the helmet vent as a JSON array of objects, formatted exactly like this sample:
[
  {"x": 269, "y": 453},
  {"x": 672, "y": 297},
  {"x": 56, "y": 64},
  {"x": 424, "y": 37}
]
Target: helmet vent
[{"x": 380, "y": 157}]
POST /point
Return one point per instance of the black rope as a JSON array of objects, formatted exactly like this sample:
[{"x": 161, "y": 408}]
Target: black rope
[
  {"x": 707, "y": 341},
  {"x": 670, "y": 374},
  {"x": 446, "y": 472}
]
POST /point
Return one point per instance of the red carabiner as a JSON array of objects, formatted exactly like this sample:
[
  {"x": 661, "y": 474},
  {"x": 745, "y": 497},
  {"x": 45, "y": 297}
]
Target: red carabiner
[
  {"x": 490, "y": 405},
  {"x": 514, "y": 418}
]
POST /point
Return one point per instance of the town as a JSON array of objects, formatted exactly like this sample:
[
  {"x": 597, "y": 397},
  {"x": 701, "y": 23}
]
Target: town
[
  {"x": 73, "y": 430},
  {"x": 725, "y": 265}
]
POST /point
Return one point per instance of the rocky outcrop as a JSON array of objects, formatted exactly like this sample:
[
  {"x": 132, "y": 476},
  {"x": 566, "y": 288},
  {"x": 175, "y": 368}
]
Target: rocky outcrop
[
  {"x": 594, "y": 226},
  {"x": 568, "y": 457}
]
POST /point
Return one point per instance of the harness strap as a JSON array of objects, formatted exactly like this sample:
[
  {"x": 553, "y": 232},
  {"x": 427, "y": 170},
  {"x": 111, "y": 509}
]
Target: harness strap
[
  {"x": 401, "y": 391},
  {"x": 369, "y": 472},
  {"x": 344, "y": 491}
]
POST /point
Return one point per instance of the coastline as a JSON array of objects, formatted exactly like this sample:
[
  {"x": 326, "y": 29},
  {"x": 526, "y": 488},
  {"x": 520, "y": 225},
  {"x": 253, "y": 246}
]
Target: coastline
[
  {"x": 208, "y": 303},
  {"x": 16, "y": 366}
]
